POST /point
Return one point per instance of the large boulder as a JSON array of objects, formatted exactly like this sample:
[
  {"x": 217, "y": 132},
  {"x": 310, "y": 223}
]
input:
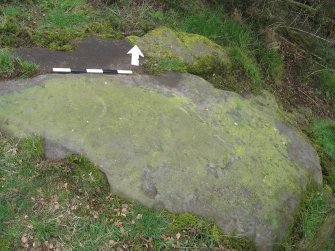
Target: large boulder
[
  {"x": 189, "y": 48},
  {"x": 175, "y": 142}
]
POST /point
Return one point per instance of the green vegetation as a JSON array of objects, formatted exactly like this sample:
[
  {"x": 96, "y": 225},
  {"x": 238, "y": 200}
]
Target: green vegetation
[
  {"x": 316, "y": 220},
  {"x": 67, "y": 205},
  {"x": 327, "y": 81},
  {"x": 324, "y": 133},
  {"x": 157, "y": 66},
  {"x": 316, "y": 223},
  {"x": 273, "y": 63},
  {"x": 245, "y": 62},
  {"x": 57, "y": 25},
  {"x": 215, "y": 24},
  {"x": 11, "y": 66}
]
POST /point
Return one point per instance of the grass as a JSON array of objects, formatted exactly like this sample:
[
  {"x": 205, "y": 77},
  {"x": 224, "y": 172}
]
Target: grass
[
  {"x": 326, "y": 80},
  {"x": 316, "y": 220},
  {"x": 214, "y": 24},
  {"x": 273, "y": 63},
  {"x": 6, "y": 61},
  {"x": 317, "y": 225},
  {"x": 324, "y": 133},
  {"x": 67, "y": 205},
  {"x": 12, "y": 66},
  {"x": 62, "y": 14},
  {"x": 242, "y": 59},
  {"x": 161, "y": 65}
]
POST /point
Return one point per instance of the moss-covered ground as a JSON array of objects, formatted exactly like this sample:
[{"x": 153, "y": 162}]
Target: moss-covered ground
[{"x": 49, "y": 203}]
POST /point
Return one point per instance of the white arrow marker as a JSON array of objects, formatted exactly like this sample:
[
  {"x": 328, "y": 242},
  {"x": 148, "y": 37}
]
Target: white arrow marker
[{"x": 135, "y": 55}]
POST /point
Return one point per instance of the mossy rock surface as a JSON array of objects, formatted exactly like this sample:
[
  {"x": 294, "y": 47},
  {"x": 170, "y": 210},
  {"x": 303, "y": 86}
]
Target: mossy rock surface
[
  {"x": 166, "y": 43},
  {"x": 176, "y": 142}
]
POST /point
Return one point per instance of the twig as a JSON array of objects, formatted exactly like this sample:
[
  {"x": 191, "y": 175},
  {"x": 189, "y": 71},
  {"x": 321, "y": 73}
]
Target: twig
[
  {"x": 306, "y": 32},
  {"x": 304, "y": 6},
  {"x": 314, "y": 72},
  {"x": 309, "y": 97}
]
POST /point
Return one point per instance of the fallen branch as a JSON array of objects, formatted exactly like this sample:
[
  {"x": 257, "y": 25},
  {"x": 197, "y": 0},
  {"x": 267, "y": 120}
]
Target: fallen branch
[
  {"x": 311, "y": 34},
  {"x": 303, "y": 6}
]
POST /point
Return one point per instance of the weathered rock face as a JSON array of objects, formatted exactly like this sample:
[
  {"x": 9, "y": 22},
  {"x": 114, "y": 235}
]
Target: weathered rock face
[
  {"x": 189, "y": 48},
  {"x": 174, "y": 141}
]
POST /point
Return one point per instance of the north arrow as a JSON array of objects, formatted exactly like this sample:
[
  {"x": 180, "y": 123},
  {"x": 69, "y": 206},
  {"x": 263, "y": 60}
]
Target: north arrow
[{"x": 135, "y": 55}]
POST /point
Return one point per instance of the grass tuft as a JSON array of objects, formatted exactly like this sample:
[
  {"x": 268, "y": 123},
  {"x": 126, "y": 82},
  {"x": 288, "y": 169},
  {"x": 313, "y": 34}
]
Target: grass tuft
[
  {"x": 273, "y": 63},
  {"x": 11, "y": 66},
  {"x": 32, "y": 148},
  {"x": 327, "y": 81},
  {"x": 242, "y": 59},
  {"x": 6, "y": 61},
  {"x": 324, "y": 134}
]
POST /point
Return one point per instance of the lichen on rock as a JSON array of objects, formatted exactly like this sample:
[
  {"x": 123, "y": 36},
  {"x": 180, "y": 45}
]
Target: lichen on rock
[
  {"x": 176, "y": 142},
  {"x": 188, "y": 48}
]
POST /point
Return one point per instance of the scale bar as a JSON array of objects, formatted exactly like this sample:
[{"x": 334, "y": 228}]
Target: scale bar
[{"x": 98, "y": 71}]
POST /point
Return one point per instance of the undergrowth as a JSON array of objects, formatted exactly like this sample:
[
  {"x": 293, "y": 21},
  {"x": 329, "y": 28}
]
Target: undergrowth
[
  {"x": 326, "y": 80},
  {"x": 315, "y": 224}
]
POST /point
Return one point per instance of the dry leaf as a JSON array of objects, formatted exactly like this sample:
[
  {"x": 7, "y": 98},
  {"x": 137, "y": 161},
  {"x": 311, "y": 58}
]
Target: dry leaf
[
  {"x": 55, "y": 198},
  {"x": 95, "y": 215},
  {"x": 118, "y": 223},
  {"x": 13, "y": 151},
  {"x": 123, "y": 232},
  {"x": 111, "y": 242},
  {"x": 74, "y": 207},
  {"x": 178, "y": 236},
  {"x": 55, "y": 207},
  {"x": 24, "y": 239}
]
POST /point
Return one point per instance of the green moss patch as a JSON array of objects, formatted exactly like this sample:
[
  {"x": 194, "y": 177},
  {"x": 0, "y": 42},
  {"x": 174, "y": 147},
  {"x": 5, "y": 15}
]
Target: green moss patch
[{"x": 157, "y": 66}]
